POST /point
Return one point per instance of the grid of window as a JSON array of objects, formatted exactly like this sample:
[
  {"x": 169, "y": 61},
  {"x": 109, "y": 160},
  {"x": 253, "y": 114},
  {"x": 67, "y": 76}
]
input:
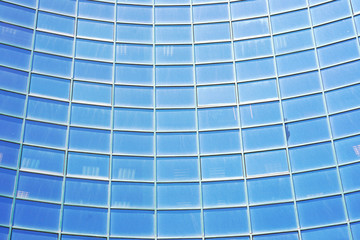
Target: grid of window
[{"x": 169, "y": 119}]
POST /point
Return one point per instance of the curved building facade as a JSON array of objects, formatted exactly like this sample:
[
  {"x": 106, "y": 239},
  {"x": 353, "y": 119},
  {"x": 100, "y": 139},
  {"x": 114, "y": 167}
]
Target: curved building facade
[{"x": 179, "y": 119}]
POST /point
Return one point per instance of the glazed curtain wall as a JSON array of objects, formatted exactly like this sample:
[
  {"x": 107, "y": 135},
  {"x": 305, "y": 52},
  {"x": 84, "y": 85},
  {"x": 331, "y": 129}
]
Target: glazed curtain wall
[{"x": 174, "y": 119}]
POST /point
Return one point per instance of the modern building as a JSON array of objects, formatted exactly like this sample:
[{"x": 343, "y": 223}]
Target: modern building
[{"x": 179, "y": 119}]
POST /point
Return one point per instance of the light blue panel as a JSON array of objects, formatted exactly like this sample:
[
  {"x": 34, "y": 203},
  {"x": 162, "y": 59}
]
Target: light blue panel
[
  {"x": 353, "y": 205},
  {"x": 266, "y": 162},
  {"x": 214, "y": 73},
  {"x": 134, "y": 14},
  {"x": 12, "y": 103},
  {"x": 290, "y": 21},
  {"x": 39, "y": 187},
  {"x": 28, "y": 3},
  {"x": 86, "y": 192},
  {"x": 321, "y": 211},
  {"x": 307, "y": 131},
  {"x": 132, "y": 195},
  {"x": 215, "y": 118},
  {"x": 89, "y": 165},
  {"x": 329, "y": 11},
  {"x": 261, "y": 113},
  {"x": 177, "y": 168},
  {"x": 263, "y": 137},
  {"x": 316, "y": 183},
  {"x": 133, "y": 119},
  {"x": 55, "y": 23},
  {"x": 277, "y": 6},
  {"x": 42, "y": 216},
  {"x": 48, "y": 110},
  {"x": 175, "y": 96},
  {"x": 330, "y": 233},
  {"x": 216, "y": 95},
  {"x": 174, "y": 75},
  {"x": 174, "y": 119},
  {"x": 134, "y": 33},
  {"x": 208, "y": 13},
  {"x": 5, "y": 208},
  {"x": 299, "y": 84},
  {"x": 7, "y": 179},
  {"x": 343, "y": 124},
  {"x": 14, "y": 57},
  {"x": 173, "y": 54},
  {"x": 334, "y": 31},
  {"x": 16, "y": 35},
  {"x": 220, "y": 142},
  {"x": 9, "y": 152},
  {"x": 252, "y": 48},
  {"x": 132, "y": 168},
  {"x": 255, "y": 69},
  {"x": 89, "y": 139},
  {"x": 42, "y": 159},
  {"x": 311, "y": 156},
  {"x": 178, "y": 195},
  {"x": 343, "y": 99},
  {"x": 91, "y": 116},
  {"x": 97, "y": 50},
  {"x": 51, "y": 64},
  {"x": 337, "y": 76},
  {"x": 92, "y": 92},
  {"x": 84, "y": 220},
  {"x": 170, "y": 2},
  {"x": 179, "y": 223},
  {"x": 213, "y": 52},
  {"x": 173, "y": 34},
  {"x": 52, "y": 43},
  {"x": 172, "y": 14},
  {"x": 13, "y": 128},
  {"x": 348, "y": 149},
  {"x": 131, "y": 223},
  {"x": 67, "y": 6},
  {"x": 212, "y": 32},
  {"x": 134, "y": 53},
  {"x": 18, "y": 234},
  {"x": 15, "y": 14},
  {"x": 223, "y": 194},
  {"x": 277, "y": 217},
  {"x": 293, "y": 41},
  {"x": 355, "y": 229},
  {"x": 349, "y": 178},
  {"x": 227, "y": 221},
  {"x": 95, "y": 29},
  {"x": 278, "y": 236},
  {"x": 74, "y": 237},
  {"x": 223, "y": 166},
  {"x": 296, "y": 62},
  {"x": 13, "y": 79},
  {"x": 93, "y": 71},
  {"x": 271, "y": 189},
  {"x": 133, "y": 74},
  {"x": 49, "y": 86},
  {"x": 250, "y": 28},
  {"x": 303, "y": 107},
  {"x": 133, "y": 143},
  {"x": 176, "y": 143},
  {"x": 96, "y": 10},
  {"x": 134, "y": 96},
  {"x": 244, "y": 9},
  {"x": 338, "y": 52}
]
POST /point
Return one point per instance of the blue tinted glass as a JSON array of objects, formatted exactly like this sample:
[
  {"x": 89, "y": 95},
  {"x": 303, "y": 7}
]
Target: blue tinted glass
[
  {"x": 348, "y": 175},
  {"x": 176, "y": 143},
  {"x": 208, "y": 13},
  {"x": 55, "y": 23},
  {"x": 91, "y": 92},
  {"x": 135, "y": 14},
  {"x": 342, "y": 99},
  {"x": 260, "y": 113},
  {"x": 14, "y": 57},
  {"x": 214, "y": 73},
  {"x": 86, "y": 139},
  {"x": 87, "y": 115},
  {"x": 214, "y": 52},
  {"x": 216, "y": 95},
  {"x": 173, "y": 119},
  {"x": 65, "y": 6},
  {"x": 134, "y": 33},
  {"x": 16, "y": 14},
  {"x": 133, "y": 143},
  {"x": 177, "y": 168},
  {"x": 244, "y": 9},
  {"x": 254, "y": 69},
  {"x": 175, "y": 97},
  {"x": 131, "y": 223},
  {"x": 345, "y": 123},
  {"x": 220, "y": 142},
  {"x": 13, "y": 79},
  {"x": 51, "y": 64},
  {"x": 97, "y": 10},
  {"x": 132, "y": 168},
  {"x": 5, "y": 207},
  {"x": 93, "y": 71},
  {"x": 170, "y": 14},
  {"x": 352, "y": 204},
  {"x": 299, "y": 84},
  {"x": 172, "y": 34},
  {"x": 266, "y": 162},
  {"x": 334, "y": 232},
  {"x": 226, "y": 166},
  {"x": 18, "y": 234},
  {"x": 169, "y": 222},
  {"x": 134, "y": 96},
  {"x": 348, "y": 149},
  {"x": 133, "y": 74},
  {"x": 7, "y": 178},
  {"x": 175, "y": 195},
  {"x": 211, "y": 32},
  {"x": 303, "y": 107},
  {"x": 263, "y": 137},
  {"x": 41, "y": 85},
  {"x": 52, "y": 135},
  {"x": 12, "y": 103},
  {"x": 221, "y": 194},
  {"x": 16, "y": 35},
  {"x": 134, "y": 195},
  {"x": 89, "y": 165},
  {"x": 49, "y": 110},
  {"x": 9, "y": 154},
  {"x": 214, "y": 118},
  {"x": 250, "y": 28},
  {"x": 133, "y": 119},
  {"x": 52, "y": 43},
  {"x": 95, "y": 29},
  {"x": 13, "y": 129},
  {"x": 172, "y": 54},
  {"x": 253, "y": 48}
]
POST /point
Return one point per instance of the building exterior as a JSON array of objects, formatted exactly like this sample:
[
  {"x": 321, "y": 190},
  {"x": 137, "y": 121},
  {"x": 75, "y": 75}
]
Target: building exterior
[{"x": 179, "y": 119}]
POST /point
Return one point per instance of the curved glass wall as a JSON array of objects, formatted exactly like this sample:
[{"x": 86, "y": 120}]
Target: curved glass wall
[{"x": 179, "y": 119}]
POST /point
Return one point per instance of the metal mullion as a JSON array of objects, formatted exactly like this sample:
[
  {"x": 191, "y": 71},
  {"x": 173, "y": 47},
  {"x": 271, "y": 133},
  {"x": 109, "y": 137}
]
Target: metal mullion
[
  {"x": 12, "y": 211},
  {"x": 61, "y": 218},
  {"x": 354, "y": 23},
  {"x": 283, "y": 124},
  {"x": 154, "y": 125},
  {"x": 329, "y": 125},
  {"x": 239, "y": 124}
]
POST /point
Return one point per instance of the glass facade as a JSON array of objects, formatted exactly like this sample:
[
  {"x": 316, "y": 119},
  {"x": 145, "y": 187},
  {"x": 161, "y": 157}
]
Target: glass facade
[{"x": 179, "y": 119}]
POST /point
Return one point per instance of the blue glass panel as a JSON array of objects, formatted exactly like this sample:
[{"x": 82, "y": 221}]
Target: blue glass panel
[
  {"x": 226, "y": 166},
  {"x": 133, "y": 74},
  {"x": 13, "y": 128},
  {"x": 273, "y": 217},
  {"x": 95, "y": 29},
  {"x": 97, "y": 10},
  {"x": 253, "y": 48},
  {"x": 55, "y": 23},
  {"x": 131, "y": 223},
  {"x": 263, "y": 137},
  {"x": 52, "y": 43},
  {"x": 39, "y": 186},
  {"x": 14, "y": 57},
  {"x": 13, "y": 79},
  {"x": 215, "y": 118},
  {"x": 134, "y": 96},
  {"x": 89, "y": 165},
  {"x": 345, "y": 123},
  {"x": 207, "y": 13},
  {"x": 296, "y": 62},
  {"x": 51, "y": 64},
  {"x": 174, "y": 75},
  {"x": 341, "y": 75},
  {"x": 16, "y": 14},
  {"x": 49, "y": 86},
  {"x": 172, "y": 54},
  {"x": 132, "y": 168},
  {"x": 244, "y": 9},
  {"x": 89, "y": 139},
  {"x": 220, "y": 142},
  {"x": 261, "y": 113},
  {"x": 349, "y": 178},
  {"x": 15, "y": 35},
  {"x": 290, "y": 21},
  {"x": 28, "y": 3},
  {"x": 330, "y": 233},
  {"x": 266, "y": 162},
  {"x": 12, "y": 103},
  {"x": 177, "y": 168},
  {"x": 303, "y": 107},
  {"x": 9, "y": 154},
  {"x": 92, "y": 92},
  {"x": 135, "y": 14},
  {"x": 42, "y": 159},
  {"x": 94, "y": 49},
  {"x": 133, "y": 143},
  {"x": 172, "y": 14},
  {"x": 48, "y": 110},
  {"x": 94, "y": 71},
  {"x": 175, "y": 97},
  {"x": 85, "y": 220},
  {"x": 133, "y": 119},
  {"x": 344, "y": 98},
  {"x": 255, "y": 69},
  {"x": 216, "y": 95},
  {"x": 214, "y": 52},
  {"x": 18, "y": 234},
  {"x": 278, "y": 236},
  {"x": 171, "y": 34},
  {"x": 353, "y": 205},
  {"x": 73, "y": 237},
  {"x": 214, "y": 73},
  {"x": 222, "y": 194},
  {"x": 293, "y": 41},
  {"x": 134, "y": 33},
  {"x": 334, "y": 31},
  {"x": 250, "y": 28},
  {"x": 178, "y": 195},
  {"x": 355, "y": 229},
  {"x": 36, "y": 215},
  {"x": 176, "y": 143},
  {"x": 89, "y": 192},
  {"x": 67, "y": 6},
  {"x": 87, "y": 115},
  {"x": 7, "y": 179},
  {"x": 348, "y": 149},
  {"x": 179, "y": 223},
  {"x": 299, "y": 84},
  {"x": 277, "y": 6},
  {"x": 212, "y": 32},
  {"x": 132, "y": 195},
  {"x": 173, "y": 119},
  {"x": 5, "y": 208},
  {"x": 329, "y": 11}
]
